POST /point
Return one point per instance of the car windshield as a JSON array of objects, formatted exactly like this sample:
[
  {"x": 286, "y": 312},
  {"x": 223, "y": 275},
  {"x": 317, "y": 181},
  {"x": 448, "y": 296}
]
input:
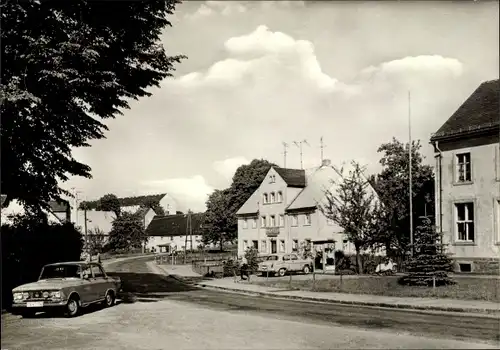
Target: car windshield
[
  {"x": 60, "y": 271},
  {"x": 272, "y": 257}
]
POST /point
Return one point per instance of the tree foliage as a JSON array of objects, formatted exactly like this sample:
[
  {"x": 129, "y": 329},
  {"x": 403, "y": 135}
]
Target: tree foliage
[
  {"x": 109, "y": 202},
  {"x": 96, "y": 240},
  {"x": 429, "y": 263},
  {"x": 352, "y": 206},
  {"x": 127, "y": 233},
  {"x": 392, "y": 186},
  {"x": 217, "y": 225},
  {"x": 221, "y": 224},
  {"x": 66, "y": 66}
]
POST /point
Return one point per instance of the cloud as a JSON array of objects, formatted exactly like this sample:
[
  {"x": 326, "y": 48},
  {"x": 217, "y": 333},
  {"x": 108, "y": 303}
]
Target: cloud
[
  {"x": 191, "y": 193},
  {"x": 262, "y": 57},
  {"x": 225, "y": 8},
  {"x": 227, "y": 167}
]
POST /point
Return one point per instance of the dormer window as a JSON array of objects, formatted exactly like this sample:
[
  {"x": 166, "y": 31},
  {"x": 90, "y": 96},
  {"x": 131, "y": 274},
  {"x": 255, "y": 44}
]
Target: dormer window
[
  {"x": 279, "y": 197},
  {"x": 272, "y": 198},
  {"x": 272, "y": 179},
  {"x": 265, "y": 198}
]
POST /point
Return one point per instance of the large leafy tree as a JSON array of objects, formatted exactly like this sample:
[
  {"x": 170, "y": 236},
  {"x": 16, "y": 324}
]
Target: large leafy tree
[
  {"x": 217, "y": 224},
  {"x": 220, "y": 223},
  {"x": 66, "y": 67},
  {"x": 352, "y": 205},
  {"x": 127, "y": 232},
  {"x": 392, "y": 185}
]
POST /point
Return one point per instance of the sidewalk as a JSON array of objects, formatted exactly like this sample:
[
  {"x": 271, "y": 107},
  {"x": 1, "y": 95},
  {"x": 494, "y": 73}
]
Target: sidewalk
[{"x": 449, "y": 305}]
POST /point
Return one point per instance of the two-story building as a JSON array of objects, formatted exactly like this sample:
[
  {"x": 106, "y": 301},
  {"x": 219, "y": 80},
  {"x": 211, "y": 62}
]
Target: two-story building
[
  {"x": 284, "y": 212},
  {"x": 467, "y": 152}
]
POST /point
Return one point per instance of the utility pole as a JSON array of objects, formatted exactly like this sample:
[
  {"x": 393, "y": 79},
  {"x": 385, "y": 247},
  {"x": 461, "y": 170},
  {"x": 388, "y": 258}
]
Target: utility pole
[
  {"x": 188, "y": 233},
  {"x": 322, "y": 146},
  {"x": 285, "y": 146},
  {"x": 299, "y": 145},
  {"x": 410, "y": 172},
  {"x": 85, "y": 228}
]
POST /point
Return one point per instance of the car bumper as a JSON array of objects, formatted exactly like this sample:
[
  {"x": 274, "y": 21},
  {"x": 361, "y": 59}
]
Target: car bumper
[{"x": 40, "y": 306}]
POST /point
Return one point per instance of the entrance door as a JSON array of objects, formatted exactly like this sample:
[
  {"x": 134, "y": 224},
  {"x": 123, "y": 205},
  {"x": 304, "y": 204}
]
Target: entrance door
[{"x": 274, "y": 247}]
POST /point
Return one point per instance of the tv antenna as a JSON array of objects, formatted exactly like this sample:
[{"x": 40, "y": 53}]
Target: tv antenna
[
  {"x": 299, "y": 145},
  {"x": 285, "y": 152},
  {"x": 322, "y": 147}
]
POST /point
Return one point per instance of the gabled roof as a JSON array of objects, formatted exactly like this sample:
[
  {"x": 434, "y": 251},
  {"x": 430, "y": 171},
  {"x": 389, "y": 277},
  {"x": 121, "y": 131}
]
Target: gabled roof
[
  {"x": 175, "y": 225},
  {"x": 292, "y": 177},
  {"x": 479, "y": 112},
  {"x": 325, "y": 178},
  {"x": 317, "y": 183},
  {"x": 251, "y": 206}
]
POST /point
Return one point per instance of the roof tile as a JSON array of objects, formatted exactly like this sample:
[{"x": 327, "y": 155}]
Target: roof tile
[{"x": 480, "y": 111}]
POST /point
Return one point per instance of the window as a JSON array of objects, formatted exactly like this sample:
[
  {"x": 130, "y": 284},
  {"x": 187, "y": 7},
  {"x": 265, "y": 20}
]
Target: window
[
  {"x": 245, "y": 245},
  {"x": 272, "y": 221},
  {"x": 87, "y": 271},
  {"x": 295, "y": 220},
  {"x": 262, "y": 221},
  {"x": 254, "y": 223},
  {"x": 282, "y": 246},
  {"x": 294, "y": 257},
  {"x": 255, "y": 244},
  {"x": 286, "y": 257},
  {"x": 265, "y": 198},
  {"x": 272, "y": 197},
  {"x": 279, "y": 197},
  {"x": 295, "y": 245},
  {"x": 463, "y": 167},
  {"x": 465, "y": 221},
  {"x": 245, "y": 223},
  {"x": 272, "y": 179},
  {"x": 307, "y": 219},
  {"x": 263, "y": 246},
  {"x": 97, "y": 272},
  {"x": 282, "y": 220},
  {"x": 171, "y": 238}
]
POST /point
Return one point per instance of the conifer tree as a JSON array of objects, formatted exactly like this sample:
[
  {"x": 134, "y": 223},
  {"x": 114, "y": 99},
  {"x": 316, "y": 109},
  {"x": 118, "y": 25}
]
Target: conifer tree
[{"x": 429, "y": 260}]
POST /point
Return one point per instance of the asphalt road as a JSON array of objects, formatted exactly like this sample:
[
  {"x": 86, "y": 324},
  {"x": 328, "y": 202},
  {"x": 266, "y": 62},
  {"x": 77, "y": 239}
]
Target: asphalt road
[{"x": 162, "y": 313}]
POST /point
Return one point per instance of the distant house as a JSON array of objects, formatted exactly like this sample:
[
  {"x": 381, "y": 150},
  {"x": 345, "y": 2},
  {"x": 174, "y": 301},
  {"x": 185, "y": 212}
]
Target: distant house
[
  {"x": 467, "y": 152},
  {"x": 284, "y": 212},
  {"x": 61, "y": 210},
  {"x": 168, "y": 233}
]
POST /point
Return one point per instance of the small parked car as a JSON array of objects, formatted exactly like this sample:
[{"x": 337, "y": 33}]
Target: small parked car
[
  {"x": 66, "y": 286},
  {"x": 281, "y": 264}
]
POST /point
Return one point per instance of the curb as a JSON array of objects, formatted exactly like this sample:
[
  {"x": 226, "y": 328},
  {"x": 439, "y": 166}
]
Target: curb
[{"x": 358, "y": 303}]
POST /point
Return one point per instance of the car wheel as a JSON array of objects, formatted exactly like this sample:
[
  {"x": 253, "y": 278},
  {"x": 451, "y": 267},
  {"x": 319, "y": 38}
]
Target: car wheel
[
  {"x": 282, "y": 272},
  {"x": 306, "y": 269},
  {"x": 28, "y": 314},
  {"x": 110, "y": 299},
  {"x": 72, "y": 307}
]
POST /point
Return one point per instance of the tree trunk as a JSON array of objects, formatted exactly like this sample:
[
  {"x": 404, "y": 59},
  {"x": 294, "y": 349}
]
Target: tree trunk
[
  {"x": 221, "y": 242},
  {"x": 358, "y": 261}
]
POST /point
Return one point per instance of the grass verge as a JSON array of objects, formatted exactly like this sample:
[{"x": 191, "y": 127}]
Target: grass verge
[{"x": 486, "y": 289}]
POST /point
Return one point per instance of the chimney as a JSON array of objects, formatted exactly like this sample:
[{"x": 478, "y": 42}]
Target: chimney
[{"x": 326, "y": 162}]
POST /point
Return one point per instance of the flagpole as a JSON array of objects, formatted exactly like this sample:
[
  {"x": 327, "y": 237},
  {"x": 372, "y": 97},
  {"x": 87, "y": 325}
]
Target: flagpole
[{"x": 410, "y": 171}]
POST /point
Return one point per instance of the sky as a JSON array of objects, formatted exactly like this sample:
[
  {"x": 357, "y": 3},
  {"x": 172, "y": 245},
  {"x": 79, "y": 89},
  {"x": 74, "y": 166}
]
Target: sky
[{"x": 262, "y": 73}]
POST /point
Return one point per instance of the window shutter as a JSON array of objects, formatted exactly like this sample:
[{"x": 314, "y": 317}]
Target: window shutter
[{"x": 454, "y": 167}]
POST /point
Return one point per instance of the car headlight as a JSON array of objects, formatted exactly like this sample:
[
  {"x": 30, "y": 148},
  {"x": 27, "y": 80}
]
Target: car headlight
[
  {"x": 55, "y": 294},
  {"x": 45, "y": 294},
  {"x": 18, "y": 296},
  {"x": 26, "y": 295}
]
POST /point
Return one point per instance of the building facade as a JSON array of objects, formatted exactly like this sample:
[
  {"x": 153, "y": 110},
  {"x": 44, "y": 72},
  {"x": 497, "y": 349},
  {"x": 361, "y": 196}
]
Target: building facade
[
  {"x": 171, "y": 233},
  {"x": 284, "y": 213},
  {"x": 467, "y": 152}
]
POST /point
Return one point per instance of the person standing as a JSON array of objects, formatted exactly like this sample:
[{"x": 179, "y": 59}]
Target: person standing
[
  {"x": 244, "y": 270},
  {"x": 98, "y": 257}
]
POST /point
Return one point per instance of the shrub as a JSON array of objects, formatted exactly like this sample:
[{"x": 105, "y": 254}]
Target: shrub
[{"x": 252, "y": 256}]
